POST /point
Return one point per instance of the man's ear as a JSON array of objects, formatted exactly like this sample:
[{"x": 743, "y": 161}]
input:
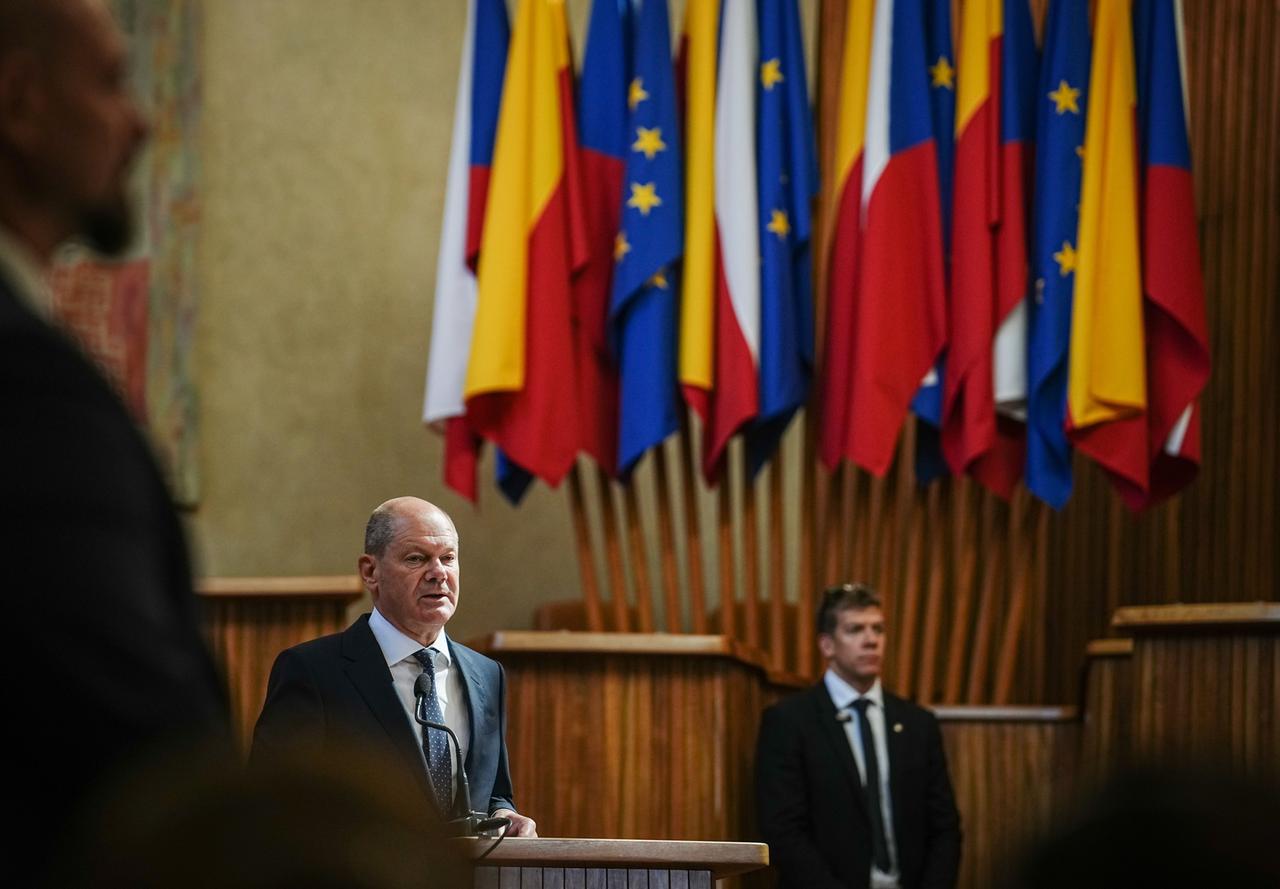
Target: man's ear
[
  {"x": 826, "y": 645},
  {"x": 368, "y": 567}
]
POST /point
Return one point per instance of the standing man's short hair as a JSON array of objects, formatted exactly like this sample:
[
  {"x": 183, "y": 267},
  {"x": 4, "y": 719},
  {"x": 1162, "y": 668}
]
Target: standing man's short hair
[
  {"x": 379, "y": 531},
  {"x": 841, "y": 598}
]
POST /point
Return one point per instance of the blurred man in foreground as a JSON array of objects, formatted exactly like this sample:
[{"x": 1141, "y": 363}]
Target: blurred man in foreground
[{"x": 109, "y": 666}]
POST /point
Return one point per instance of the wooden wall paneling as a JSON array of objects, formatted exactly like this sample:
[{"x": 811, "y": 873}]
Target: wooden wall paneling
[
  {"x": 1205, "y": 688},
  {"x": 1012, "y": 768},
  {"x": 249, "y": 620},
  {"x": 1107, "y": 709},
  {"x": 632, "y": 736},
  {"x": 750, "y": 559}
]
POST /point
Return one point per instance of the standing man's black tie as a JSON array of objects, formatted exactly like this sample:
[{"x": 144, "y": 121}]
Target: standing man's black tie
[
  {"x": 880, "y": 846},
  {"x": 435, "y": 743}
]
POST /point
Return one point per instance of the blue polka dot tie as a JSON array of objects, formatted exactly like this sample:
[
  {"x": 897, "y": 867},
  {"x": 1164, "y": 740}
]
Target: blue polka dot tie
[{"x": 435, "y": 743}]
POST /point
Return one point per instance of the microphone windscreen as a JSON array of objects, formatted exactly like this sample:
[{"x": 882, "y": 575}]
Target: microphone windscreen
[{"x": 422, "y": 686}]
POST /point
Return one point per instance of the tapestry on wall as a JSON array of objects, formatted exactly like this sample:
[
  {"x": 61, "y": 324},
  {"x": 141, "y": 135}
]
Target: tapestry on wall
[{"x": 136, "y": 316}]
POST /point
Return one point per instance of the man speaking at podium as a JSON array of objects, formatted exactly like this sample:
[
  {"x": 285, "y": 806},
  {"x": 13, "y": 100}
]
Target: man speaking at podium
[
  {"x": 375, "y": 683},
  {"x": 851, "y": 782}
]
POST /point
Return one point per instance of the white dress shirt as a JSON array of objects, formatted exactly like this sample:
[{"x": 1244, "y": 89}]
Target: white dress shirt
[
  {"x": 399, "y": 651},
  {"x": 24, "y": 274},
  {"x": 843, "y": 695}
]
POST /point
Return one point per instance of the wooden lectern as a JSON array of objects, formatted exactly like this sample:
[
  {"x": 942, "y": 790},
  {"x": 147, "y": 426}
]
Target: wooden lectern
[{"x": 611, "y": 864}]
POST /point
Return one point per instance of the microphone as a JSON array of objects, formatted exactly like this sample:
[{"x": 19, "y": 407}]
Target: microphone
[
  {"x": 462, "y": 815},
  {"x": 843, "y": 715}
]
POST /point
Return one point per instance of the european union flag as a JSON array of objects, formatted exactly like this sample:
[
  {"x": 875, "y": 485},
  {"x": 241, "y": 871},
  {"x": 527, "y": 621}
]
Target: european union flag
[
  {"x": 941, "y": 61},
  {"x": 1064, "y": 81},
  {"x": 643, "y": 307},
  {"x": 787, "y": 171}
]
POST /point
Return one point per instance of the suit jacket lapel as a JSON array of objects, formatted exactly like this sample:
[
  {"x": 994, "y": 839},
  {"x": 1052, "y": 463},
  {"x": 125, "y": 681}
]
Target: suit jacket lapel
[
  {"x": 480, "y": 714},
  {"x": 894, "y": 740},
  {"x": 834, "y": 732},
  {"x": 367, "y": 669}
]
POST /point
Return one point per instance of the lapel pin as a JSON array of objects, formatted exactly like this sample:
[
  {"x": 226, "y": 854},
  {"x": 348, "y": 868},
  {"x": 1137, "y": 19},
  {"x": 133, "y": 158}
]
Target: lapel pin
[{"x": 897, "y": 727}]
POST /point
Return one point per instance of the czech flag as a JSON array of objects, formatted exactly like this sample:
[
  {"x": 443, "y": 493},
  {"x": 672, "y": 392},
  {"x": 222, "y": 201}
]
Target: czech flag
[
  {"x": 475, "y": 119},
  {"x": 1177, "y": 336},
  {"x": 900, "y": 326}
]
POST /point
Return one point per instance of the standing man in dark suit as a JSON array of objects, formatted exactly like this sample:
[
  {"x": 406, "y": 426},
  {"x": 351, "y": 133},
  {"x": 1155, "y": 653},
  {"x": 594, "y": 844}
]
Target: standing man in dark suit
[
  {"x": 109, "y": 667},
  {"x": 364, "y": 685},
  {"x": 852, "y": 787}
]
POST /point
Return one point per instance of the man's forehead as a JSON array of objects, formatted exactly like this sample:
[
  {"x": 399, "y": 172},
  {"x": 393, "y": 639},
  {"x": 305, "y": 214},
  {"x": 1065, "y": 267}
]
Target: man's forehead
[{"x": 871, "y": 615}]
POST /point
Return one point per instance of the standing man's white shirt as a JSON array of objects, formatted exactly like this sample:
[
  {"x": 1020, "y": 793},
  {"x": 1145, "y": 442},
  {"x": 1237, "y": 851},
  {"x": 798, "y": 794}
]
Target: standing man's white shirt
[
  {"x": 399, "y": 650},
  {"x": 843, "y": 695}
]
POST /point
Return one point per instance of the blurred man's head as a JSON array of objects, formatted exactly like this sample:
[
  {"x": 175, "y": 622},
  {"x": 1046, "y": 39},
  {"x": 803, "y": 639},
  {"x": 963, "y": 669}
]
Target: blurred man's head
[
  {"x": 851, "y": 633},
  {"x": 69, "y": 128}
]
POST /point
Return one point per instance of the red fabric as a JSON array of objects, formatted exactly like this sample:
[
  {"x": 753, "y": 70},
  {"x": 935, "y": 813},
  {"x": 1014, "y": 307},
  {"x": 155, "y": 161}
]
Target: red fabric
[
  {"x": 901, "y": 305},
  {"x": 461, "y": 456},
  {"x": 734, "y": 397},
  {"x": 839, "y": 351},
  {"x": 602, "y": 182}
]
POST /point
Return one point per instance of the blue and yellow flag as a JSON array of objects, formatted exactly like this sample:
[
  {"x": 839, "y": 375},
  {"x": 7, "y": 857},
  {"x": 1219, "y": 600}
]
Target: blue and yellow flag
[
  {"x": 1060, "y": 109},
  {"x": 941, "y": 58},
  {"x": 643, "y": 306},
  {"x": 787, "y": 172}
]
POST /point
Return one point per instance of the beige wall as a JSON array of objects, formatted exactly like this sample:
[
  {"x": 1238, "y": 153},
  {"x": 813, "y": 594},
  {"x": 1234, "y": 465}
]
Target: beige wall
[{"x": 326, "y": 137}]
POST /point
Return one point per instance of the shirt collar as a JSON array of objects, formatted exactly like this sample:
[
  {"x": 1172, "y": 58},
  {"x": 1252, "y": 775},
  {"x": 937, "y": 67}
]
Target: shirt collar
[
  {"x": 843, "y": 694},
  {"x": 396, "y": 646},
  {"x": 28, "y": 277}
]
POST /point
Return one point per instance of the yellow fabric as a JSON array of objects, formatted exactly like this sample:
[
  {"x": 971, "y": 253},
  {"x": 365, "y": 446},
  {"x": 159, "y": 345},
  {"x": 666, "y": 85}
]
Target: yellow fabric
[
  {"x": 1107, "y": 372},
  {"x": 855, "y": 69},
  {"x": 697, "y": 304},
  {"x": 528, "y": 165},
  {"x": 981, "y": 22}
]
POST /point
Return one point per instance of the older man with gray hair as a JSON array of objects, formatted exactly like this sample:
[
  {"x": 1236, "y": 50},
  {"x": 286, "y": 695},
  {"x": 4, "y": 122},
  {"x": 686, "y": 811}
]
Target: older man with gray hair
[{"x": 378, "y": 680}]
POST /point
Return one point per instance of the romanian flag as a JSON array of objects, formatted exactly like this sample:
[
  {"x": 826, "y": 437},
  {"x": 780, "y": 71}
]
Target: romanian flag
[
  {"x": 840, "y": 360},
  {"x": 900, "y": 321},
  {"x": 1106, "y": 374},
  {"x": 985, "y": 385},
  {"x": 720, "y": 325},
  {"x": 1177, "y": 337},
  {"x": 643, "y": 305},
  {"x": 484, "y": 56},
  {"x": 1062, "y": 103},
  {"x": 787, "y": 168},
  {"x": 521, "y": 377},
  {"x": 602, "y": 125}
]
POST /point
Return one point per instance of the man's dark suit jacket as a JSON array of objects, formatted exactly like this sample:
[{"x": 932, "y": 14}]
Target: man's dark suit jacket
[
  {"x": 109, "y": 664},
  {"x": 812, "y": 809},
  {"x": 337, "y": 690}
]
